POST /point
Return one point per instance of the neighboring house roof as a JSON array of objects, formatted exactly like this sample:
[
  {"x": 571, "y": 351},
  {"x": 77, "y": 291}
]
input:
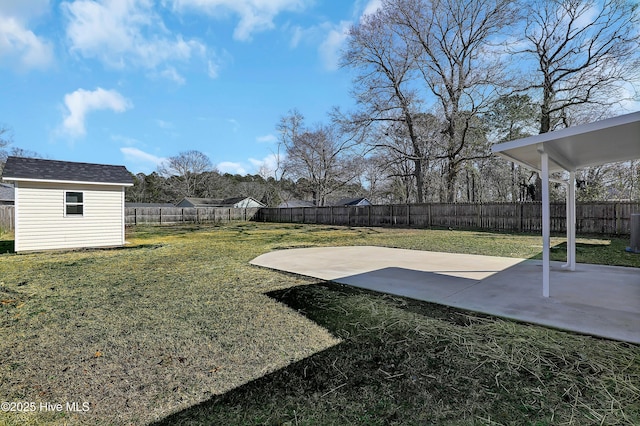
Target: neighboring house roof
[
  {"x": 199, "y": 202},
  {"x": 35, "y": 169},
  {"x": 296, "y": 203},
  {"x": 217, "y": 202},
  {"x": 148, "y": 204},
  {"x": 353, "y": 202},
  {"x": 7, "y": 193}
]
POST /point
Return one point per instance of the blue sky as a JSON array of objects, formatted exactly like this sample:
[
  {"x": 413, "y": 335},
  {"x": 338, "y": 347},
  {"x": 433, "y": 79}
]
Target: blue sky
[{"x": 133, "y": 82}]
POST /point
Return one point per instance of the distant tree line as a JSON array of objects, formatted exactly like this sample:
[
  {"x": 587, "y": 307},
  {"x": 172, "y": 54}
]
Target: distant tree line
[
  {"x": 437, "y": 83},
  {"x": 191, "y": 174}
]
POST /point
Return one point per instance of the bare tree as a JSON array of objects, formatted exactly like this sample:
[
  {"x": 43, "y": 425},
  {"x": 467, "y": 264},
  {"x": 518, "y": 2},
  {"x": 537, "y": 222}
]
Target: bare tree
[
  {"x": 511, "y": 117},
  {"x": 456, "y": 64},
  {"x": 385, "y": 86},
  {"x": 321, "y": 157},
  {"x": 6, "y": 137},
  {"x": 586, "y": 53},
  {"x": 184, "y": 173}
]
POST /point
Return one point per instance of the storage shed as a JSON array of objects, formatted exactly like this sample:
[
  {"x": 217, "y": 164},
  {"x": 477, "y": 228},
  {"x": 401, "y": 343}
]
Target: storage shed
[{"x": 67, "y": 205}]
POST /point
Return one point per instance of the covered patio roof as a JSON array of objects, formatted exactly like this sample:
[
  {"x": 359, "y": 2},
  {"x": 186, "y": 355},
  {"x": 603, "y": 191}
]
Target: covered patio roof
[{"x": 607, "y": 141}]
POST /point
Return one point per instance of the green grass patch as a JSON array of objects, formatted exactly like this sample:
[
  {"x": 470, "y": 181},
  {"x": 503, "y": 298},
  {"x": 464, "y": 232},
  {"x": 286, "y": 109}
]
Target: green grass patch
[{"x": 179, "y": 322}]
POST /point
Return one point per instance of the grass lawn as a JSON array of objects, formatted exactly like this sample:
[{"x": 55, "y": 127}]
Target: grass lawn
[{"x": 178, "y": 328}]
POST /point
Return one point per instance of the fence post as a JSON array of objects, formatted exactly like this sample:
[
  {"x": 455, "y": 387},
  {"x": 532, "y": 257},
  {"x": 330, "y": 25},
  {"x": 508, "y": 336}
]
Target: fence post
[
  {"x": 519, "y": 213},
  {"x": 429, "y": 216},
  {"x": 160, "y": 215},
  {"x": 135, "y": 216},
  {"x": 479, "y": 215},
  {"x": 408, "y": 215}
]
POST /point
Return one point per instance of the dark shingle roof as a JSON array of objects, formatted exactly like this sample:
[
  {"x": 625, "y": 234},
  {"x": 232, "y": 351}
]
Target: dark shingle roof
[
  {"x": 35, "y": 168},
  {"x": 6, "y": 192},
  {"x": 214, "y": 202},
  {"x": 202, "y": 202},
  {"x": 128, "y": 204},
  {"x": 295, "y": 203},
  {"x": 351, "y": 201}
]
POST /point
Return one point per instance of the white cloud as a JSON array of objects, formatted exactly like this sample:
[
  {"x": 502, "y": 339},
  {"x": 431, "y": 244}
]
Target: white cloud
[
  {"x": 267, "y": 166},
  {"x": 255, "y": 15},
  {"x": 232, "y": 168},
  {"x": 329, "y": 37},
  {"x": 170, "y": 73},
  {"x": 23, "y": 9},
  {"x": 125, "y": 140},
  {"x": 121, "y": 33},
  {"x": 136, "y": 155},
  {"x": 330, "y": 48},
  {"x": 81, "y": 102},
  {"x": 213, "y": 69},
  {"x": 164, "y": 124},
  {"x": 266, "y": 139},
  {"x": 298, "y": 35},
  {"x": 372, "y": 6},
  {"x": 20, "y": 44}
]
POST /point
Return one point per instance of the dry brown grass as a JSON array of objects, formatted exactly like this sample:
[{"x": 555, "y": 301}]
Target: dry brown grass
[
  {"x": 406, "y": 362},
  {"x": 146, "y": 330},
  {"x": 179, "y": 317}
]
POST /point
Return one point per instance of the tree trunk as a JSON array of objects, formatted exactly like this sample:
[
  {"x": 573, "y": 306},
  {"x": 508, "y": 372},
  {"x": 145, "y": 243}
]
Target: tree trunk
[
  {"x": 452, "y": 173},
  {"x": 419, "y": 180}
]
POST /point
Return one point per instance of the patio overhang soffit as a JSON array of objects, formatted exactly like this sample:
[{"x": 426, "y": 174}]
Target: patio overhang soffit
[{"x": 594, "y": 144}]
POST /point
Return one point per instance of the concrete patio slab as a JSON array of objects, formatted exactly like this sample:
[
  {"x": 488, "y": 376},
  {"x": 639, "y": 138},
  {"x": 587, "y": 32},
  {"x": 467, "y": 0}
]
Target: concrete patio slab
[{"x": 597, "y": 300}]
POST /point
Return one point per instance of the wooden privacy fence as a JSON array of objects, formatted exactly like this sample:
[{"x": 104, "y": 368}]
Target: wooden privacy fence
[
  {"x": 591, "y": 218},
  {"x": 7, "y": 218},
  {"x": 169, "y": 215}
]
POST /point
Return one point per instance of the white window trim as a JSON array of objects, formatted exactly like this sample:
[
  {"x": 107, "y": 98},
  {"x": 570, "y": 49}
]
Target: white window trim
[{"x": 73, "y": 204}]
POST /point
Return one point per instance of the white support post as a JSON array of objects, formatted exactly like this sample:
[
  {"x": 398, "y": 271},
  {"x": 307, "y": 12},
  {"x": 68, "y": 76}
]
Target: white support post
[
  {"x": 571, "y": 223},
  {"x": 567, "y": 222},
  {"x": 546, "y": 224}
]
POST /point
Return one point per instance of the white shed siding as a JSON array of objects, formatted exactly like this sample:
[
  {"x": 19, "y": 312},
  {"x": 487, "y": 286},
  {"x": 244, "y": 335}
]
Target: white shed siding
[{"x": 41, "y": 223}]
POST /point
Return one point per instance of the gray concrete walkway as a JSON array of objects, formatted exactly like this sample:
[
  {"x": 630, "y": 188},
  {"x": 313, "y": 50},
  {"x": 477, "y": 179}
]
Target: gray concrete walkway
[{"x": 597, "y": 300}]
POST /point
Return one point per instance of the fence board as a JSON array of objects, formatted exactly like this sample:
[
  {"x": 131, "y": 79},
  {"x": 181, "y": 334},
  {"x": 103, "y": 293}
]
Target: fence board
[
  {"x": 7, "y": 218},
  {"x": 609, "y": 218},
  {"x": 172, "y": 215},
  {"x": 591, "y": 218}
]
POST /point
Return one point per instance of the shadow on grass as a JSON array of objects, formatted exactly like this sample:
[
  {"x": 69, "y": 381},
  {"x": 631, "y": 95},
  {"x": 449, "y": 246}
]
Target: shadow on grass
[
  {"x": 7, "y": 246},
  {"x": 400, "y": 362}
]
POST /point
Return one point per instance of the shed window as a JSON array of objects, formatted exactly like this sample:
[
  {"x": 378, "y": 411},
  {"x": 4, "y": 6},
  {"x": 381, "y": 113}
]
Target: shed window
[{"x": 73, "y": 204}]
